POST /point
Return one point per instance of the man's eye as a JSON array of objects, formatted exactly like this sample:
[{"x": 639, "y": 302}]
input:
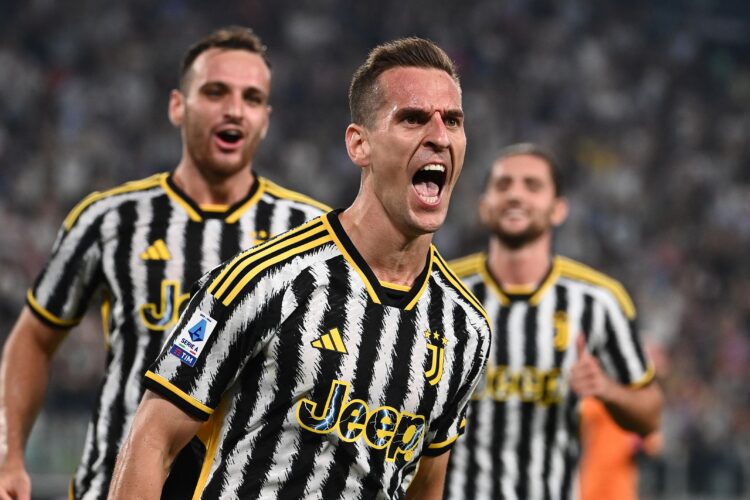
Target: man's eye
[{"x": 452, "y": 122}]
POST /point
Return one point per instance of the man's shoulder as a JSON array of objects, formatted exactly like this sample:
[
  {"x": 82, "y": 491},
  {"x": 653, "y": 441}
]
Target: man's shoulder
[
  {"x": 282, "y": 194},
  {"x": 468, "y": 265},
  {"x": 574, "y": 270},
  {"x": 101, "y": 201},
  {"x": 280, "y": 261},
  {"x": 463, "y": 295}
]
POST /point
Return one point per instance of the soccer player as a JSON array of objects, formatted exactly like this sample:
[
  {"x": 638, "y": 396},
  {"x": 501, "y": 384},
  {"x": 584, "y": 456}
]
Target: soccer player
[
  {"x": 140, "y": 247},
  {"x": 333, "y": 360},
  {"x": 561, "y": 332}
]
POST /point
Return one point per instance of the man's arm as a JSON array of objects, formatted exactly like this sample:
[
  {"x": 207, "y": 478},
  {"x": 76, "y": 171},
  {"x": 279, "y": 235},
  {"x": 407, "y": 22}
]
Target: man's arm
[
  {"x": 430, "y": 478},
  {"x": 24, "y": 374},
  {"x": 634, "y": 409},
  {"x": 160, "y": 430}
]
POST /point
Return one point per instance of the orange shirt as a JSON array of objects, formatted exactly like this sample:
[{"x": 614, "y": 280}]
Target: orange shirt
[{"x": 607, "y": 470}]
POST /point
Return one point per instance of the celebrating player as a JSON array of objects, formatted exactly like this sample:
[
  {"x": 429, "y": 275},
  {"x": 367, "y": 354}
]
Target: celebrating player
[
  {"x": 140, "y": 247},
  {"x": 561, "y": 332},
  {"x": 334, "y": 359}
]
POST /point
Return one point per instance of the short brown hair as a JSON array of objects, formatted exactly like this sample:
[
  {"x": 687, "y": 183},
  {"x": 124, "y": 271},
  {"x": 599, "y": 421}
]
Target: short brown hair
[
  {"x": 532, "y": 149},
  {"x": 364, "y": 94},
  {"x": 228, "y": 37}
]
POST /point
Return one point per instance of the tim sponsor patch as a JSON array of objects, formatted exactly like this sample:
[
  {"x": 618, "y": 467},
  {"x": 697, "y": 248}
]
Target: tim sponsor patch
[{"x": 189, "y": 344}]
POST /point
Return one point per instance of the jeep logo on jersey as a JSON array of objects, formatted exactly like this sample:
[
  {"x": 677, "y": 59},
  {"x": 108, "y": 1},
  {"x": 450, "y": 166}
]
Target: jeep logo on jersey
[
  {"x": 384, "y": 427},
  {"x": 191, "y": 340},
  {"x": 436, "y": 350}
]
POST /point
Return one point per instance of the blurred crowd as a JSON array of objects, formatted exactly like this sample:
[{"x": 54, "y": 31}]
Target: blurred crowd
[{"x": 647, "y": 103}]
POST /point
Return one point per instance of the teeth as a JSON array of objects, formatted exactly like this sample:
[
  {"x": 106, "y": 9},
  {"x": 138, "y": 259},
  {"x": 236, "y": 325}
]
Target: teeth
[{"x": 434, "y": 167}]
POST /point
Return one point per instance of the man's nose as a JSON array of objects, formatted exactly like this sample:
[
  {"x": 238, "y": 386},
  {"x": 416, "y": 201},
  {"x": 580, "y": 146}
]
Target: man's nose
[{"x": 437, "y": 135}]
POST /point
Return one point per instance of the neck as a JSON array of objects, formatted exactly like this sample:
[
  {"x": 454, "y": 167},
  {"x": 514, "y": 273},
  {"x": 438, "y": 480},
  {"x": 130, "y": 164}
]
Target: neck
[
  {"x": 525, "y": 266},
  {"x": 206, "y": 189},
  {"x": 393, "y": 256}
]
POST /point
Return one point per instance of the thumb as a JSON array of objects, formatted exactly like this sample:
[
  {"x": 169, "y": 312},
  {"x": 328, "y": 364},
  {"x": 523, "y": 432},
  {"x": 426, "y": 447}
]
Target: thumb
[{"x": 581, "y": 346}]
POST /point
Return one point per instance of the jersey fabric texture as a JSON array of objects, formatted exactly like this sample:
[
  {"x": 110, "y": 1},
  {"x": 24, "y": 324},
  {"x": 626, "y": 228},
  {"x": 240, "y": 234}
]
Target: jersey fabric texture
[
  {"x": 522, "y": 428},
  {"x": 140, "y": 247},
  {"x": 316, "y": 380}
]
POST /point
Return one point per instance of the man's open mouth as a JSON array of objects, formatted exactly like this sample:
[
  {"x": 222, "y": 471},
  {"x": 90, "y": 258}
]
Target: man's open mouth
[
  {"x": 230, "y": 136},
  {"x": 429, "y": 181}
]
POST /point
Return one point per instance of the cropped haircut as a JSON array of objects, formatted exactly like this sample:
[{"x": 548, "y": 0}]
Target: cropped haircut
[
  {"x": 365, "y": 95},
  {"x": 532, "y": 149},
  {"x": 228, "y": 38}
]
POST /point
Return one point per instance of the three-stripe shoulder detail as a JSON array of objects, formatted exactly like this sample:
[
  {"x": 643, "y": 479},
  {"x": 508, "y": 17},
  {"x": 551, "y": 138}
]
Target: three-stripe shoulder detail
[
  {"x": 128, "y": 187},
  {"x": 279, "y": 192},
  {"x": 575, "y": 270},
  {"x": 466, "y": 266},
  {"x": 244, "y": 267},
  {"x": 460, "y": 287}
]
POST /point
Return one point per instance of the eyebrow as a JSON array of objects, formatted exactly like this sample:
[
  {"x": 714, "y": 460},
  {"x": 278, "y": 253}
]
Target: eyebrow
[{"x": 425, "y": 114}]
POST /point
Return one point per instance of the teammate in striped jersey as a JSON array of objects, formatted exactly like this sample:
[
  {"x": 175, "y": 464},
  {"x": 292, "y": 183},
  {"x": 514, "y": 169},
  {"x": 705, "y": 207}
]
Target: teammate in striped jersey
[
  {"x": 334, "y": 359},
  {"x": 142, "y": 245},
  {"x": 561, "y": 331}
]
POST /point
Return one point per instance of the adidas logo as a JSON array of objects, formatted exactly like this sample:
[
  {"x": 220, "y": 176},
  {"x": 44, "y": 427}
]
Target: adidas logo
[
  {"x": 330, "y": 341},
  {"x": 157, "y": 251}
]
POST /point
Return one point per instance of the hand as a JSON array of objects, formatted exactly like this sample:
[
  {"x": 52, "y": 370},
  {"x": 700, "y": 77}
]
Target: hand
[
  {"x": 586, "y": 376},
  {"x": 15, "y": 483}
]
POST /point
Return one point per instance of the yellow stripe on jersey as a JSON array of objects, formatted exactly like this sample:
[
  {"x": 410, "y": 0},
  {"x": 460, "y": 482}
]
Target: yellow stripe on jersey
[
  {"x": 281, "y": 192},
  {"x": 326, "y": 238},
  {"x": 471, "y": 264},
  {"x": 178, "y": 392},
  {"x": 460, "y": 286},
  {"x": 64, "y": 323},
  {"x": 236, "y": 266},
  {"x": 645, "y": 379},
  {"x": 128, "y": 187},
  {"x": 106, "y": 310},
  {"x": 418, "y": 295},
  {"x": 395, "y": 286},
  {"x": 209, "y": 434},
  {"x": 370, "y": 290},
  {"x": 582, "y": 272},
  {"x": 213, "y": 208},
  {"x": 443, "y": 444},
  {"x": 194, "y": 216},
  {"x": 235, "y": 215}
]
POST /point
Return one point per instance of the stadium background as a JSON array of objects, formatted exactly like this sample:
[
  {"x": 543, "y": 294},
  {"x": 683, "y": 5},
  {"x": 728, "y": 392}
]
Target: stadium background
[{"x": 646, "y": 102}]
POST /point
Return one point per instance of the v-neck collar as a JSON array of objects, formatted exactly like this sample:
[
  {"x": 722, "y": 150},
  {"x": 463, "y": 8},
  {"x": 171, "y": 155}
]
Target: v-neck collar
[
  {"x": 378, "y": 292},
  {"x": 232, "y": 212},
  {"x": 532, "y": 295}
]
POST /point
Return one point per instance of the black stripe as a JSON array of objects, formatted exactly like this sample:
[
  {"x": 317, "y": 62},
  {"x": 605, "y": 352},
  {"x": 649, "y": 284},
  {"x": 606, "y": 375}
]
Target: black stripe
[
  {"x": 612, "y": 347},
  {"x": 231, "y": 240},
  {"x": 470, "y": 443},
  {"x": 499, "y": 416},
  {"x": 193, "y": 253},
  {"x": 527, "y": 407},
  {"x": 296, "y": 217}
]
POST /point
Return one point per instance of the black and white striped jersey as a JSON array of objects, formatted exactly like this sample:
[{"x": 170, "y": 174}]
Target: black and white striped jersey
[
  {"x": 140, "y": 247},
  {"x": 317, "y": 380},
  {"x": 521, "y": 438}
]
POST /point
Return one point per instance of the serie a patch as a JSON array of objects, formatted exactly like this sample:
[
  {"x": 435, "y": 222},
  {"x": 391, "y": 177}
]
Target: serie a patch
[{"x": 192, "y": 339}]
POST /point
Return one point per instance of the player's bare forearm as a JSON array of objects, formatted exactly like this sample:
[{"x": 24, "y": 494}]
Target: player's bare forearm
[
  {"x": 160, "y": 430},
  {"x": 429, "y": 480},
  {"x": 24, "y": 375},
  {"x": 635, "y": 410}
]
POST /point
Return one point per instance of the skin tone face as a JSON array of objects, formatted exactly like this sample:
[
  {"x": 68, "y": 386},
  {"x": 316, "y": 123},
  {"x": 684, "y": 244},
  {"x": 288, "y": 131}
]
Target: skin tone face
[
  {"x": 412, "y": 153},
  {"x": 223, "y": 112},
  {"x": 519, "y": 204}
]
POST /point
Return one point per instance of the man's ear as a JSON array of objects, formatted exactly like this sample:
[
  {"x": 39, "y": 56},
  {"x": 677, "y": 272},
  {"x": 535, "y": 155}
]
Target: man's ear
[
  {"x": 559, "y": 211},
  {"x": 357, "y": 144},
  {"x": 176, "y": 107},
  {"x": 264, "y": 130}
]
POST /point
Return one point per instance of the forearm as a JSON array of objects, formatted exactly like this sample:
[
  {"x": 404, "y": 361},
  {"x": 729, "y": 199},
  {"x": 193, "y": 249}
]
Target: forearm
[
  {"x": 159, "y": 431},
  {"x": 429, "y": 480},
  {"x": 24, "y": 376},
  {"x": 635, "y": 410}
]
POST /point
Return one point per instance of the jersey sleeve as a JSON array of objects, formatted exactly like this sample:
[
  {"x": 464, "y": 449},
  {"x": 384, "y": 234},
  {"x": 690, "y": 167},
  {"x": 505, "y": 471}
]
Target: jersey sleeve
[
  {"x": 73, "y": 273},
  {"x": 451, "y": 425},
  {"x": 206, "y": 350},
  {"x": 620, "y": 348}
]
